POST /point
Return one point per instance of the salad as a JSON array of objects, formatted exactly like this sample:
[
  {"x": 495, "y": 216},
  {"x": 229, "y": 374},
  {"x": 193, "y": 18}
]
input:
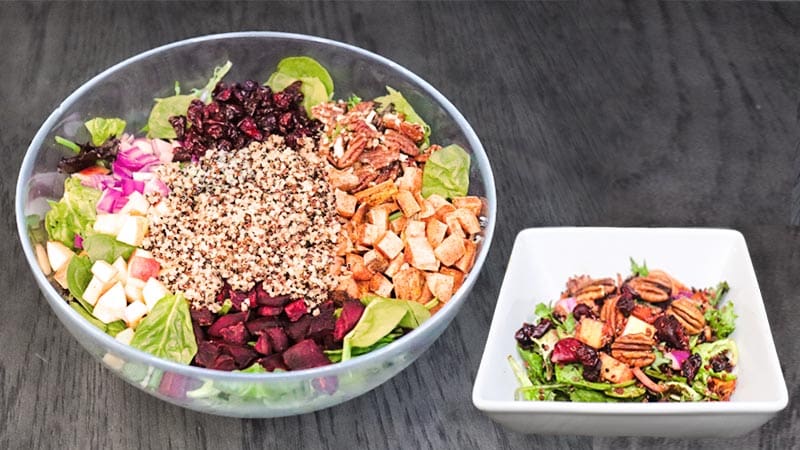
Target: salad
[
  {"x": 645, "y": 338},
  {"x": 262, "y": 226}
]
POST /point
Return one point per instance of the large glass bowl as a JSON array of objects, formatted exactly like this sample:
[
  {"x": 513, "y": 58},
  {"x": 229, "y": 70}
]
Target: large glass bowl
[{"x": 127, "y": 90}]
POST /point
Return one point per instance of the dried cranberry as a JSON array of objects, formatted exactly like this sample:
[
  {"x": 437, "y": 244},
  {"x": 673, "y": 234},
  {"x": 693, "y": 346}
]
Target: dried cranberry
[
  {"x": 690, "y": 367},
  {"x": 592, "y": 373},
  {"x": 625, "y": 303},
  {"x": 670, "y": 331},
  {"x": 580, "y": 311},
  {"x": 528, "y": 332},
  {"x": 721, "y": 363}
]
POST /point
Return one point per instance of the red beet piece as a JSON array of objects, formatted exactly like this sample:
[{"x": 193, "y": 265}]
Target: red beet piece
[
  {"x": 199, "y": 333},
  {"x": 323, "y": 324},
  {"x": 297, "y": 331},
  {"x": 235, "y": 334},
  {"x": 243, "y": 356},
  {"x": 226, "y": 321},
  {"x": 351, "y": 313},
  {"x": 262, "y": 345},
  {"x": 273, "y": 362},
  {"x": 224, "y": 293},
  {"x": 296, "y": 309},
  {"x": 223, "y": 362},
  {"x": 268, "y": 310},
  {"x": 305, "y": 355},
  {"x": 257, "y": 326},
  {"x": 238, "y": 297},
  {"x": 566, "y": 351},
  {"x": 277, "y": 339},
  {"x": 207, "y": 352},
  {"x": 202, "y": 316},
  {"x": 264, "y": 299}
]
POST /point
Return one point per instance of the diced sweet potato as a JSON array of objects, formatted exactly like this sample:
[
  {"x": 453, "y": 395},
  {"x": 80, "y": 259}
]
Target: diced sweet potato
[
  {"x": 450, "y": 250},
  {"x": 435, "y": 232},
  {"x": 470, "y": 250},
  {"x": 390, "y": 245},
  {"x": 469, "y": 223},
  {"x": 360, "y": 270},
  {"x": 395, "y": 265},
  {"x": 377, "y": 194},
  {"x": 458, "y": 276},
  {"x": 444, "y": 210},
  {"x": 408, "y": 284},
  {"x": 349, "y": 286},
  {"x": 372, "y": 234},
  {"x": 426, "y": 295},
  {"x": 343, "y": 179},
  {"x": 437, "y": 201},
  {"x": 454, "y": 226},
  {"x": 411, "y": 179},
  {"x": 375, "y": 261},
  {"x": 472, "y": 203},
  {"x": 380, "y": 285},
  {"x": 426, "y": 208},
  {"x": 415, "y": 228},
  {"x": 407, "y": 203},
  {"x": 399, "y": 224},
  {"x": 440, "y": 285},
  {"x": 360, "y": 214},
  {"x": 345, "y": 203},
  {"x": 614, "y": 371},
  {"x": 379, "y": 217},
  {"x": 422, "y": 256}
]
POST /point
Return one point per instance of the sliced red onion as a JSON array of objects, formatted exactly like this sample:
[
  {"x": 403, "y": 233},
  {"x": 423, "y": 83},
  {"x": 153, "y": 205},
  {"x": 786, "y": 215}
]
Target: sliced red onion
[
  {"x": 96, "y": 181},
  {"x": 119, "y": 203},
  {"x": 678, "y": 357},
  {"x": 107, "y": 200},
  {"x": 78, "y": 241},
  {"x": 130, "y": 186},
  {"x": 566, "y": 305}
]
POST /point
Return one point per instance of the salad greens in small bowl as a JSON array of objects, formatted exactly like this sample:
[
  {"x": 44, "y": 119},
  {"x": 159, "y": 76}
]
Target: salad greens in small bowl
[{"x": 151, "y": 198}]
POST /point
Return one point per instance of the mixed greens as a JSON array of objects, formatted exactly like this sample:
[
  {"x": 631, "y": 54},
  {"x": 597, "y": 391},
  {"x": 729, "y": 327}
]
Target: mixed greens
[{"x": 647, "y": 338}]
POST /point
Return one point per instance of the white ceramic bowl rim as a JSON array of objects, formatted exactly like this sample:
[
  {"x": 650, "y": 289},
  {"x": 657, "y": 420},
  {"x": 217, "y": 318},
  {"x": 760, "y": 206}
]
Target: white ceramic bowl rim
[{"x": 364, "y": 360}]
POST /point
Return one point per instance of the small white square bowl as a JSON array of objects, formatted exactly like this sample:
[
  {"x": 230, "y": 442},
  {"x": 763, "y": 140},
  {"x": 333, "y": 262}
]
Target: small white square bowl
[{"x": 541, "y": 262}]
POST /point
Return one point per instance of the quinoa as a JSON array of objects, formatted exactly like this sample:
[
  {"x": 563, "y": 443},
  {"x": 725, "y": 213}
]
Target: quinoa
[{"x": 263, "y": 213}]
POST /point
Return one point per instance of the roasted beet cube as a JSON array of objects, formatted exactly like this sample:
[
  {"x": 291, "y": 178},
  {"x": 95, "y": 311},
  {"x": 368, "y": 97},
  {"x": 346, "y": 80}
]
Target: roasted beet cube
[
  {"x": 297, "y": 331},
  {"x": 257, "y": 326},
  {"x": 223, "y": 362},
  {"x": 207, "y": 352},
  {"x": 239, "y": 297},
  {"x": 199, "y": 334},
  {"x": 202, "y": 316},
  {"x": 351, "y": 313},
  {"x": 235, "y": 334},
  {"x": 305, "y": 355},
  {"x": 224, "y": 293},
  {"x": 322, "y": 324},
  {"x": 264, "y": 299},
  {"x": 273, "y": 362},
  {"x": 262, "y": 345},
  {"x": 242, "y": 355},
  {"x": 268, "y": 310},
  {"x": 296, "y": 309},
  {"x": 226, "y": 321},
  {"x": 277, "y": 339}
]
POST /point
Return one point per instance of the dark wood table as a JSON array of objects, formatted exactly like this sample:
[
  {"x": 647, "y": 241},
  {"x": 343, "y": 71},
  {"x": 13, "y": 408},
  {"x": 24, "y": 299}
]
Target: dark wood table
[{"x": 616, "y": 114}]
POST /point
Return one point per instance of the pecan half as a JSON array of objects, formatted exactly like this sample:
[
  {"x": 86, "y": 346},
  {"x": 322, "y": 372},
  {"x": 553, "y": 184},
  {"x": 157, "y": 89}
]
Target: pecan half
[
  {"x": 355, "y": 146},
  {"x": 653, "y": 288},
  {"x": 636, "y": 350},
  {"x": 688, "y": 314},
  {"x": 379, "y": 157},
  {"x": 595, "y": 290},
  {"x": 413, "y": 131},
  {"x": 396, "y": 140},
  {"x": 612, "y": 316}
]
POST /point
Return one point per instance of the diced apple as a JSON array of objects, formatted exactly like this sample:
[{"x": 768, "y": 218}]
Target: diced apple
[
  {"x": 61, "y": 276},
  {"x": 58, "y": 255},
  {"x": 108, "y": 223},
  {"x": 395, "y": 265},
  {"x": 142, "y": 253},
  {"x": 125, "y": 336},
  {"x": 152, "y": 292},
  {"x": 472, "y": 203},
  {"x": 133, "y": 290},
  {"x": 143, "y": 268},
  {"x": 592, "y": 332},
  {"x": 94, "y": 290},
  {"x": 614, "y": 371},
  {"x": 345, "y": 203},
  {"x": 133, "y": 230},
  {"x": 104, "y": 272},
  {"x": 137, "y": 205},
  {"x": 638, "y": 326},
  {"x": 134, "y": 313},
  {"x": 122, "y": 269},
  {"x": 42, "y": 260},
  {"x": 111, "y": 305}
]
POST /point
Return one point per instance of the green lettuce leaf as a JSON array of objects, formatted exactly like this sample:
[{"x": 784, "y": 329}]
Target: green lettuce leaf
[
  {"x": 101, "y": 129},
  {"x": 205, "y": 94},
  {"x": 722, "y": 321},
  {"x": 299, "y": 67},
  {"x": 104, "y": 247},
  {"x": 73, "y": 214},
  {"x": 446, "y": 173},
  {"x": 719, "y": 292},
  {"x": 167, "y": 331},
  {"x": 312, "y": 88},
  {"x": 708, "y": 349},
  {"x": 401, "y": 105}
]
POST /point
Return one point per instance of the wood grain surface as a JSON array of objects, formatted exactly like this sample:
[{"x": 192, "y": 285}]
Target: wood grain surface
[{"x": 622, "y": 114}]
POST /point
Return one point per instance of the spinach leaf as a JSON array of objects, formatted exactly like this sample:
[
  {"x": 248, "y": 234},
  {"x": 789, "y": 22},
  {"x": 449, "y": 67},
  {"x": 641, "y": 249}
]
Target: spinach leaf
[
  {"x": 158, "y": 125},
  {"x": 79, "y": 273},
  {"x": 708, "y": 349},
  {"x": 73, "y": 214},
  {"x": 541, "y": 393},
  {"x": 417, "y": 312},
  {"x": 101, "y": 129},
  {"x": 381, "y": 316},
  {"x": 69, "y": 144},
  {"x": 336, "y": 355},
  {"x": 401, "y": 105},
  {"x": 106, "y": 248},
  {"x": 115, "y": 327},
  {"x": 167, "y": 331},
  {"x": 629, "y": 392},
  {"x": 78, "y": 307},
  {"x": 534, "y": 363},
  {"x": 299, "y": 67},
  {"x": 586, "y": 395},
  {"x": 638, "y": 270},
  {"x": 446, "y": 173},
  {"x": 722, "y": 321},
  {"x": 573, "y": 374}
]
